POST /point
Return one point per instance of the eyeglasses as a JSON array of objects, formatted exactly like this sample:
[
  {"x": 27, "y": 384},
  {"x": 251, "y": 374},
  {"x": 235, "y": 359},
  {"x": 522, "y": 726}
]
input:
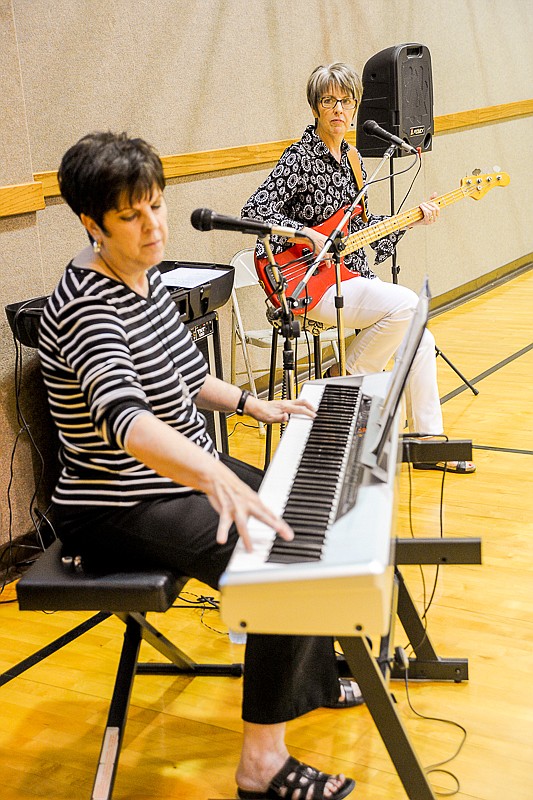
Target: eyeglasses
[{"x": 330, "y": 102}]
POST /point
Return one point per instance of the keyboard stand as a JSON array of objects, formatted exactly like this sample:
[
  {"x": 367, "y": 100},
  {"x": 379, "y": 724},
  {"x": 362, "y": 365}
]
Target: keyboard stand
[
  {"x": 425, "y": 664},
  {"x": 383, "y": 711}
]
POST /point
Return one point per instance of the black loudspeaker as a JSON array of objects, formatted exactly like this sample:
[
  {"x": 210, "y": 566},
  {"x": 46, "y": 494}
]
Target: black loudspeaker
[
  {"x": 205, "y": 334},
  {"x": 398, "y": 95}
]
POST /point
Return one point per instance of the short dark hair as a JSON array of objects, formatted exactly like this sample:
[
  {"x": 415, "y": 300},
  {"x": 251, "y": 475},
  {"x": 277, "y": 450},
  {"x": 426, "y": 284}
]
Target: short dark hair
[{"x": 102, "y": 167}]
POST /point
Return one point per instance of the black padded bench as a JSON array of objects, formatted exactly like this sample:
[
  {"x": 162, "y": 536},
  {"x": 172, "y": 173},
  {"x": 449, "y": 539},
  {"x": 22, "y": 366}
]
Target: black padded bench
[{"x": 56, "y": 583}]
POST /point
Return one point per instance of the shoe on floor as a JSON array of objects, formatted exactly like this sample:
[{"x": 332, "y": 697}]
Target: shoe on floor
[
  {"x": 459, "y": 467},
  {"x": 294, "y": 780},
  {"x": 352, "y": 695}
]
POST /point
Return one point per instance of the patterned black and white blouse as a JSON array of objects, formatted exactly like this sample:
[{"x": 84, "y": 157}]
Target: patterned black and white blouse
[
  {"x": 305, "y": 188},
  {"x": 107, "y": 355}
]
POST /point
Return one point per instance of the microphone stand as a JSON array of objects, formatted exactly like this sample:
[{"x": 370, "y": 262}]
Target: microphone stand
[
  {"x": 395, "y": 271},
  {"x": 290, "y": 329},
  {"x": 335, "y": 240}
]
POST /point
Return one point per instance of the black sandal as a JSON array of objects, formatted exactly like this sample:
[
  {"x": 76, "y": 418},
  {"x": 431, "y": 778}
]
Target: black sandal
[
  {"x": 294, "y": 776},
  {"x": 352, "y": 695}
]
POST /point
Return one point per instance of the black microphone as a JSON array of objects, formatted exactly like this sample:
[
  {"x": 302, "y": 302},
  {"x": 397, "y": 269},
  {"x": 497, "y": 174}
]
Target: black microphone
[
  {"x": 372, "y": 128},
  {"x": 203, "y": 219}
]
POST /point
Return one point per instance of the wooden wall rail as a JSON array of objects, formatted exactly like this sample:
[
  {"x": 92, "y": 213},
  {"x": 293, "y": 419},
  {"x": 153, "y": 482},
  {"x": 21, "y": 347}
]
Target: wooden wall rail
[
  {"x": 31, "y": 196},
  {"x": 483, "y": 116},
  {"x": 21, "y": 198}
]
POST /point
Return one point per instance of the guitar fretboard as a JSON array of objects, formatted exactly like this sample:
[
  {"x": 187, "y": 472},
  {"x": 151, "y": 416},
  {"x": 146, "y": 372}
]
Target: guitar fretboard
[{"x": 406, "y": 218}]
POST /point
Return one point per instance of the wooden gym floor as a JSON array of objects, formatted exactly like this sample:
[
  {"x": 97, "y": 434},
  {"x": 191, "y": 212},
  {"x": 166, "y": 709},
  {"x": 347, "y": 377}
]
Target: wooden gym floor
[{"x": 183, "y": 736}]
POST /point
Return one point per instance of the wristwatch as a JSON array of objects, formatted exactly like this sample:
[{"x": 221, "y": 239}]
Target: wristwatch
[{"x": 242, "y": 402}]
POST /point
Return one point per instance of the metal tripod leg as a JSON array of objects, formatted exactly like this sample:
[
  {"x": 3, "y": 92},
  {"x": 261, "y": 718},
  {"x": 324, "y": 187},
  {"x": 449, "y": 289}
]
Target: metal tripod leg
[
  {"x": 472, "y": 388},
  {"x": 288, "y": 390},
  {"x": 317, "y": 356}
]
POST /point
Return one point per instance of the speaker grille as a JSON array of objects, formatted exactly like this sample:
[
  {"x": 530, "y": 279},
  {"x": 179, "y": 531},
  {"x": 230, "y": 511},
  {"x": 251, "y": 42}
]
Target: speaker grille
[{"x": 398, "y": 95}]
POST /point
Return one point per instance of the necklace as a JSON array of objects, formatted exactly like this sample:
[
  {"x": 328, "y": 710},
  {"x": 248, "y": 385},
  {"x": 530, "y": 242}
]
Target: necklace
[
  {"x": 110, "y": 268},
  {"x": 116, "y": 275}
]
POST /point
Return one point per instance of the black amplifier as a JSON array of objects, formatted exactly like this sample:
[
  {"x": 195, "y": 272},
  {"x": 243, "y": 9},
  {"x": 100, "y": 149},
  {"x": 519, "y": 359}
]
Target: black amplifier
[
  {"x": 204, "y": 332},
  {"x": 197, "y": 288}
]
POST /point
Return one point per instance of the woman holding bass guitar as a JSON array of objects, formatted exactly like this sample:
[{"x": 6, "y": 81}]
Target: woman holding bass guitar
[{"x": 314, "y": 179}]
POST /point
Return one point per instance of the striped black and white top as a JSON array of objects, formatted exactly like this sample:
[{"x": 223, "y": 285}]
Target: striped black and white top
[{"x": 107, "y": 355}]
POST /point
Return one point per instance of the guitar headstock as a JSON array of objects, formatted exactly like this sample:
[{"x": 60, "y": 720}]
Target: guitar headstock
[{"x": 477, "y": 185}]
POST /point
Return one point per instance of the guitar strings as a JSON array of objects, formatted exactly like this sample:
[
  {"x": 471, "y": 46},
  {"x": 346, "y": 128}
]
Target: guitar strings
[{"x": 298, "y": 268}]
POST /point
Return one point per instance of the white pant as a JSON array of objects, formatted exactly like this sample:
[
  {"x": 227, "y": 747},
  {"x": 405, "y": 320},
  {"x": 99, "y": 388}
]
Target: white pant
[{"x": 382, "y": 312}]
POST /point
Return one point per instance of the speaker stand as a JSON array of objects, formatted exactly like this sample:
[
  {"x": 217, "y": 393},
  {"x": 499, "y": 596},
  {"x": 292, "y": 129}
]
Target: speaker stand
[{"x": 395, "y": 269}]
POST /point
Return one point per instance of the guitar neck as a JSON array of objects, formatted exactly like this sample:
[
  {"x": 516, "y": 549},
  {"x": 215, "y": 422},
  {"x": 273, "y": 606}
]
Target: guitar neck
[{"x": 374, "y": 232}]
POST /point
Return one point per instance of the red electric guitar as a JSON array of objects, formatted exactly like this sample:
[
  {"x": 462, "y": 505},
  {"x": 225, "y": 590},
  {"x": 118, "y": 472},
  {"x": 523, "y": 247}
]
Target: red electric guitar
[{"x": 294, "y": 262}]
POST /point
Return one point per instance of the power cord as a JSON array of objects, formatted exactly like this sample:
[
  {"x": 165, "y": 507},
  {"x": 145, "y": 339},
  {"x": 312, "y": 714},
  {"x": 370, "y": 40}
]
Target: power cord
[
  {"x": 244, "y": 425},
  {"x": 203, "y": 603},
  {"x": 402, "y": 660},
  {"x": 39, "y": 520},
  {"x": 425, "y": 602}
]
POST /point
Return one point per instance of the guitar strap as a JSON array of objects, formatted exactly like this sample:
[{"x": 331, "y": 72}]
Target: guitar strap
[{"x": 355, "y": 164}]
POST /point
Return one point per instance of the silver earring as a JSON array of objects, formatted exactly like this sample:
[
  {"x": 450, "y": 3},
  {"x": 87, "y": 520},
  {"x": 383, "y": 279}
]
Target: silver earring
[{"x": 97, "y": 246}]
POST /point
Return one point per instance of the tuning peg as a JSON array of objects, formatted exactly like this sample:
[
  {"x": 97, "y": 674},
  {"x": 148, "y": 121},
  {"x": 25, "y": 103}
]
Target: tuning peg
[
  {"x": 476, "y": 172},
  {"x": 496, "y": 168}
]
